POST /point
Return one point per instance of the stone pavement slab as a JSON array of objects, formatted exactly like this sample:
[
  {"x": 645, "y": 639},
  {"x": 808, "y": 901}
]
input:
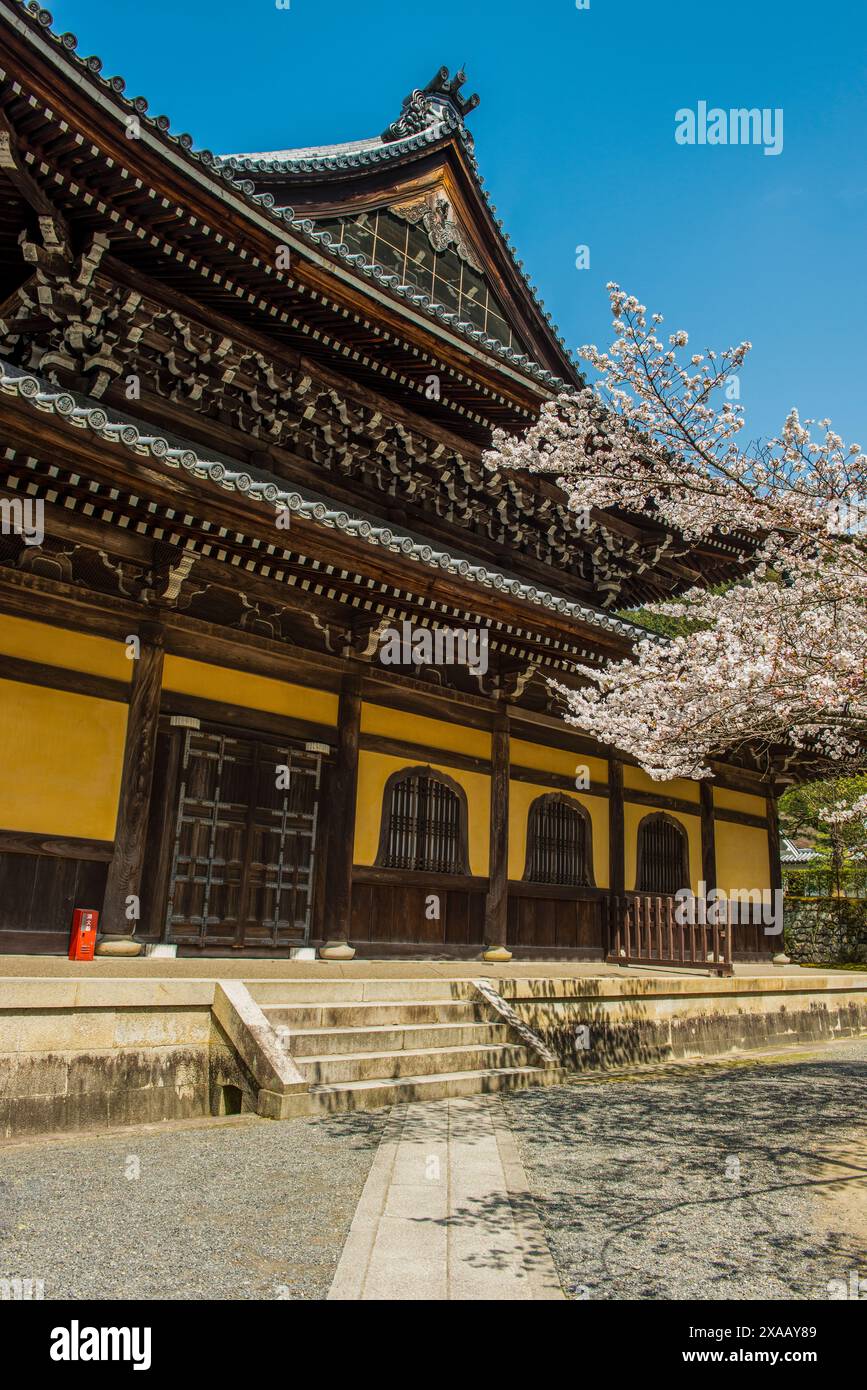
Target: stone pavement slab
[{"x": 446, "y": 1213}]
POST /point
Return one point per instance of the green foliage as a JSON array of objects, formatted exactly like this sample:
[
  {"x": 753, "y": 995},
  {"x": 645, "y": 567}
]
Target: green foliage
[
  {"x": 841, "y": 850},
  {"x": 660, "y": 623},
  {"x": 801, "y": 811},
  {"x": 668, "y": 625}
]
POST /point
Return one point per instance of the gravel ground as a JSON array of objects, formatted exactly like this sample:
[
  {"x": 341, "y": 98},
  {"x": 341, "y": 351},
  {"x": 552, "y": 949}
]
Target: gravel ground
[
  {"x": 715, "y": 1183},
  {"x": 734, "y": 1183},
  {"x": 244, "y": 1210}
]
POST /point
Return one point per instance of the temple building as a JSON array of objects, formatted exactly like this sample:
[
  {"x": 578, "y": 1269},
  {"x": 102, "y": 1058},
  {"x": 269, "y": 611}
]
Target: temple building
[{"x": 275, "y": 644}]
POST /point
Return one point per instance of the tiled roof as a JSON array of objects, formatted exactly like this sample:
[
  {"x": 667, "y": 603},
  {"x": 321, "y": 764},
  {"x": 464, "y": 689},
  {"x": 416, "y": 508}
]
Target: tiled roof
[
  {"x": 353, "y": 154},
  {"x": 172, "y": 451},
  {"x": 790, "y": 853},
  {"x": 360, "y": 154},
  {"x": 365, "y": 151}
]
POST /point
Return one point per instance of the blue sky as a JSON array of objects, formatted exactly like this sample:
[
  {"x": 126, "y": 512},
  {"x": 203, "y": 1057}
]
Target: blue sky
[{"x": 575, "y": 138}]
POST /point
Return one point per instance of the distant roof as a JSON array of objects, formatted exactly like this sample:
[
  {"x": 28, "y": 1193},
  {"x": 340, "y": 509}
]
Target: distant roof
[{"x": 790, "y": 853}]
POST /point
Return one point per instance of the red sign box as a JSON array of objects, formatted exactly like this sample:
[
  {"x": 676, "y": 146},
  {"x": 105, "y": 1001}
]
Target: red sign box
[{"x": 82, "y": 938}]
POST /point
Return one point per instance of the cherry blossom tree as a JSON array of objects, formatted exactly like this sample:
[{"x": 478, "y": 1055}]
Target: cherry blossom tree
[{"x": 774, "y": 662}]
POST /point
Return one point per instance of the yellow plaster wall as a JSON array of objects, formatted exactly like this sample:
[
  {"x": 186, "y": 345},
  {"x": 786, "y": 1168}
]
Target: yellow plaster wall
[
  {"x": 741, "y": 856},
  {"x": 543, "y": 759},
  {"x": 636, "y": 779},
  {"x": 61, "y": 757},
  {"x": 228, "y": 686},
  {"x": 374, "y": 770},
  {"x": 56, "y": 646},
  {"x": 521, "y": 797},
  {"x": 414, "y": 728},
  {"x": 739, "y": 801},
  {"x": 633, "y": 816}
]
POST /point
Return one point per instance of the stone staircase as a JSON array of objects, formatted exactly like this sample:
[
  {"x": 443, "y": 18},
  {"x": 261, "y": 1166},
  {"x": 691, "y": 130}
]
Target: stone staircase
[{"x": 369, "y": 1043}]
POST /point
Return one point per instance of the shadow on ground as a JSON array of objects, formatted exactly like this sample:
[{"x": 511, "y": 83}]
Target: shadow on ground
[{"x": 717, "y": 1184}]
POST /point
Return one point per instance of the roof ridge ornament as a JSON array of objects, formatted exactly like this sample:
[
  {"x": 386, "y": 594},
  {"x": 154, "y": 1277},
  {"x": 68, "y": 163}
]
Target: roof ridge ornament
[
  {"x": 434, "y": 211},
  {"x": 441, "y": 102}
]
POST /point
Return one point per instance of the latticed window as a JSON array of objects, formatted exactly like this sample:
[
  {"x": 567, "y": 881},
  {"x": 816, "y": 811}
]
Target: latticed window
[
  {"x": 405, "y": 251},
  {"x": 558, "y": 843},
  {"x": 663, "y": 855},
  {"x": 424, "y": 823}
]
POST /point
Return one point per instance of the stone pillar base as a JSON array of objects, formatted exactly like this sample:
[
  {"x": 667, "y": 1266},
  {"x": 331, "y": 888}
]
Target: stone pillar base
[
  {"x": 337, "y": 950},
  {"x": 497, "y": 955},
  {"x": 118, "y": 946}
]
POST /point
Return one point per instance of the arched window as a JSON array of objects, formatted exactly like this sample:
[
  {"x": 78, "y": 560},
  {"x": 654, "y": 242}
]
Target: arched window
[
  {"x": 559, "y": 843},
  {"x": 663, "y": 855},
  {"x": 424, "y": 823}
]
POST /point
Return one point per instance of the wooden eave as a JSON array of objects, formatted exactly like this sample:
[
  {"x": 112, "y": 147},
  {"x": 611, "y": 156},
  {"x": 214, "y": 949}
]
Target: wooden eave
[{"x": 46, "y": 436}]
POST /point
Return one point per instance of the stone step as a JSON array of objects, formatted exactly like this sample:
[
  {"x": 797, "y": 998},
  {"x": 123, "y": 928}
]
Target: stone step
[
  {"x": 372, "y": 1095},
  {"x": 387, "y": 1038},
  {"x": 355, "y": 1015},
  {"x": 422, "y": 990},
  {"x": 409, "y": 1064}
]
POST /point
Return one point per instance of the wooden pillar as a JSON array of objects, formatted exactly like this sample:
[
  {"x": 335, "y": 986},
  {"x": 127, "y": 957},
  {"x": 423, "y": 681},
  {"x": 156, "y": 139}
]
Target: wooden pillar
[
  {"x": 708, "y": 836},
  {"x": 341, "y": 813},
  {"x": 125, "y": 870},
  {"x": 497, "y": 902},
  {"x": 774, "y": 862},
  {"x": 614, "y": 943},
  {"x": 616, "y": 836}
]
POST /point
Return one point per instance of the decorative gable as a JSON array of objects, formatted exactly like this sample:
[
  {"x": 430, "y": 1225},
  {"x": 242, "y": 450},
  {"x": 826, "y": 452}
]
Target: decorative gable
[{"x": 420, "y": 242}]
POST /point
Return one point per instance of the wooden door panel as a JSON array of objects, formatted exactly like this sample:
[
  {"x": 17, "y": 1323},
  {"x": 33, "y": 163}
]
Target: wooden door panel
[{"x": 244, "y": 860}]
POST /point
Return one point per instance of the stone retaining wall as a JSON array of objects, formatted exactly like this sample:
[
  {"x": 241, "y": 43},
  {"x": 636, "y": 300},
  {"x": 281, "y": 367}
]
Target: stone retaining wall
[
  {"x": 609, "y": 1023},
  {"x": 826, "y": 931},
  {"x": 89, "y": 1054}
]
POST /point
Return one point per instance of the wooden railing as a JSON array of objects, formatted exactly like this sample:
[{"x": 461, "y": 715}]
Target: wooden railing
[{"x": 643, "y": 930}]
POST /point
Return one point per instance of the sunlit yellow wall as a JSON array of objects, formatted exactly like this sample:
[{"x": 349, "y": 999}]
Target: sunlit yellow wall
[
  {"x": 741, "y": 856},
  {"x": 739, "y": 801},
  {"x": 55, "y": 646},
  {"x": 633, "y": 816},
  {"x": 61, "y": 757},
  {"x": 374, "y": 770},
  {"x": 543, "y": 759},
  {"x": 636, "y": 779},
  {"x": 220, "y": 683},
  {"x": 414, "y": 728},
  {"x": 521, "y": 797}
]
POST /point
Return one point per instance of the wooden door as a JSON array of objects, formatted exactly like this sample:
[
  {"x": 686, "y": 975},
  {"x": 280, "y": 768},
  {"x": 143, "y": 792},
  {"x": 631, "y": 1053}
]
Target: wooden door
[{"x": 245, "y": 844}]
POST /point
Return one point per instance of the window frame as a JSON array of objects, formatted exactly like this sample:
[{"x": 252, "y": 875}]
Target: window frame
[
  {"x": 534, "y": 812},
  {"x": 661, "y": 817},
  {"x": 429, "y": 774}
]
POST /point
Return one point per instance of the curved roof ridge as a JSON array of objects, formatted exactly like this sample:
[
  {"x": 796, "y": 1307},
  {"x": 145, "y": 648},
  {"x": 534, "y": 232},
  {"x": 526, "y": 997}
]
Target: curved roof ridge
[{"x": 306, "y": 151}]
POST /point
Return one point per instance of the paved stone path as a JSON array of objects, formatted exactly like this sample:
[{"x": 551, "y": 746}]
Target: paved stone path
[{"x": 446, "y": 1213}]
